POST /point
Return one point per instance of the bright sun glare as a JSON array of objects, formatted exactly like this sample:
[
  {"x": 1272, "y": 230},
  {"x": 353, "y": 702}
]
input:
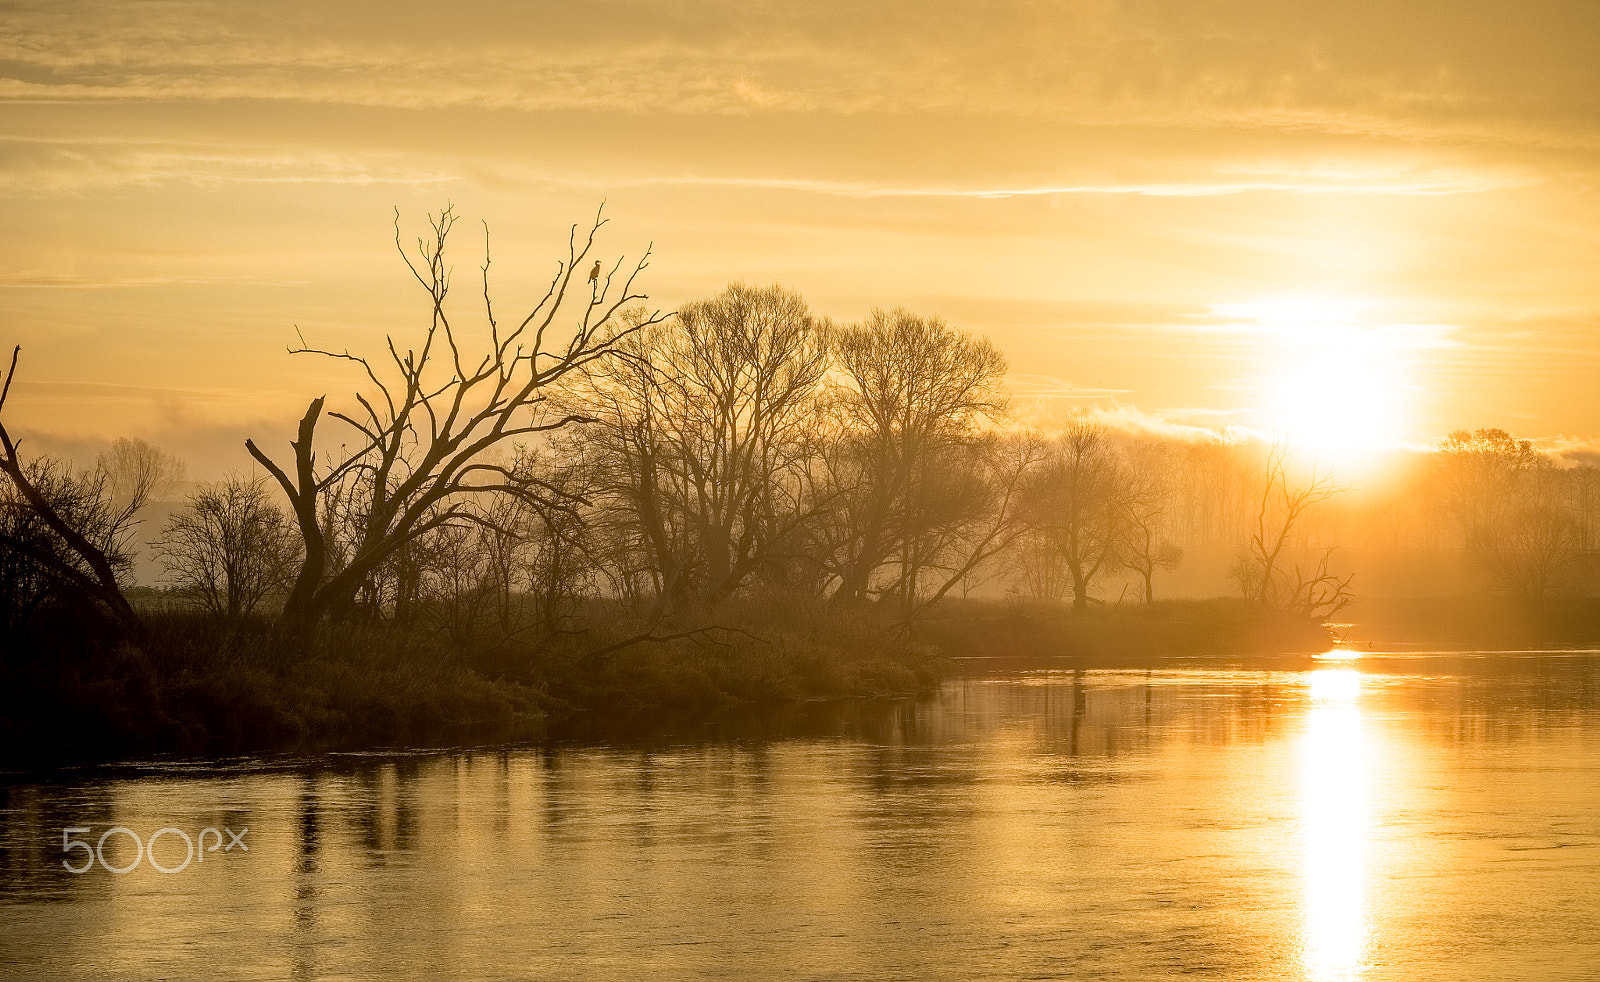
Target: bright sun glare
[{"x": 1332, "y": 383}]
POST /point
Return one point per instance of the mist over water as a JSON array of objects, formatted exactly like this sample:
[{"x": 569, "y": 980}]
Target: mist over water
[{"x": 1389, "y": 818}]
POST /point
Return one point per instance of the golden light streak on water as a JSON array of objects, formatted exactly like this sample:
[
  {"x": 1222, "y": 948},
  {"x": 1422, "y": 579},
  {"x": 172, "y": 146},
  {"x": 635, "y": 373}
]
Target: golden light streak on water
[
  {"x": 1334, "y": 824},
  {"x": 1338, "y": 655}
]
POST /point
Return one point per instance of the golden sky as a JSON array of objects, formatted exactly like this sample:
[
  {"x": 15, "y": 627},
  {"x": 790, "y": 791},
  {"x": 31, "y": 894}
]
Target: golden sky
[{"x": 1199, "y": 211}]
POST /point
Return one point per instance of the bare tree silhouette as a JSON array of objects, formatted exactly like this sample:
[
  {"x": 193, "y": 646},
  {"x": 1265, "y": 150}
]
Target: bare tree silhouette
[
  {"x": 1283, "y": 506},
  {"x": 229, "y": 548},
  {"x": 1076, "y": 504},
  {"x": 433, "y": 414},
  {"x": 701, "y": 429},
  {"x": 913, "y": 390},
  {"x": 1147, "y": 546},
  {"x": 85, "y": 520}
]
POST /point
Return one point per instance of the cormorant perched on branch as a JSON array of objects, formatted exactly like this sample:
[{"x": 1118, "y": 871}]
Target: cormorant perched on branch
[{"x": 594, "y": 274}]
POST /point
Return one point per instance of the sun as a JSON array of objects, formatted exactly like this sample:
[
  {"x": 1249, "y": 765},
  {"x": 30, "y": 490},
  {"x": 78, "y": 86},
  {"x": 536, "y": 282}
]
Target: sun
[{"x": 1331, "y": 382}]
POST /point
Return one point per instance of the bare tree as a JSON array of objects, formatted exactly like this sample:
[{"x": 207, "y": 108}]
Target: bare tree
[
  {"x": 1076, "y": 504},
  {"x": 1318, "y": 594},
  {"x": 39, "y": 569},
  {"x": 230, "y": 548},
  {"x": 1215, "y": 502},
  {"x": 1004, "y": 464},
  {"x": 561, "y": 555},
  {"x": 701, "y": 429},
  {"x": 458, "y": 586},
  {"x": 522, "y": 568},
  {"x": 1037, "y": 565},
  {"x": 1480, "y": 471},
  {"x": 949, "y": 495},
  {"x": 629, "y": 454},
  {"x": 1533, "y": 552},
  {"x": 502, "y": 545},
  {"x": 1532, "y": 546},
  {"x": 1145, "y": 519},
  {"x": 1284, "y": 504},
  {"x": 432, "y": 414},
  {"x": 913, "y": 391},
  {"x": 1512, "y": 506},
  {"x": 138, "y": 472},
  {"x": 71, "y": 529}
]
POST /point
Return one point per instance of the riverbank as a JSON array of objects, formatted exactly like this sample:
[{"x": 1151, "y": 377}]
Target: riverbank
[
  {"x": 1133, "y": 636},
  {"x": 200, "y": 688},
  {"x": 1473, "y": 623}
]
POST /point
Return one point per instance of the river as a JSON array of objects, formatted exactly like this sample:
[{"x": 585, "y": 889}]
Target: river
[{"x": 1392, "y": 817}]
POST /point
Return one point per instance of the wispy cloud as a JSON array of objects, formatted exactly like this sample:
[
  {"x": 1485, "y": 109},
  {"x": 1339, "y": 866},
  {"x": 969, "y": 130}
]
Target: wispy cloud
[
  {"x": 47, "y": 388},
  {"x": 31, "y": 166},
  {"x": 1463, "y": 183},
  {"x": 1031, "y": 385},
  {"x": 34, "y": 165},
  {"x": 28, "y": 279},
  {"x": 1048, "y": 416}
]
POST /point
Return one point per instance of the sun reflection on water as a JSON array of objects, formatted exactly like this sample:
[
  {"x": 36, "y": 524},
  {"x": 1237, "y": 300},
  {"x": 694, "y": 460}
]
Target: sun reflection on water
[{"x": 1334, "y": 826}]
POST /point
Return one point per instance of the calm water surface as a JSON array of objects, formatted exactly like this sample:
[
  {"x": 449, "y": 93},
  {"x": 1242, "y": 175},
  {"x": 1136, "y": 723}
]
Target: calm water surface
[{"x": 1396, "y": 818}]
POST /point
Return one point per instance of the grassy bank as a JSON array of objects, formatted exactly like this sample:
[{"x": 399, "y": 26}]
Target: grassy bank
[
  {"x": 198, "y": 687},
  {"x": 747, "y": 651}
]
